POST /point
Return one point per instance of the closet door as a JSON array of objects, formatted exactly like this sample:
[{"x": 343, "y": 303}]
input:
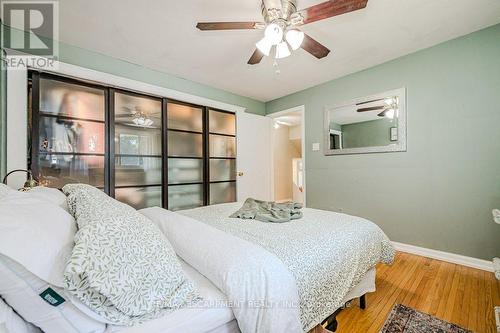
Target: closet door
[
  {"x": 68, "y": 134},
  {"x": 137, "y": 149},
  {"x": 222, "y": 156},
  {"x": 185, "y": 156}
]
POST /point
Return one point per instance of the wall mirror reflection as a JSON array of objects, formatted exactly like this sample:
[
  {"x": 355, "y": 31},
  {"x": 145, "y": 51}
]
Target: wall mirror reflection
[{"x": 371, "y": 124}]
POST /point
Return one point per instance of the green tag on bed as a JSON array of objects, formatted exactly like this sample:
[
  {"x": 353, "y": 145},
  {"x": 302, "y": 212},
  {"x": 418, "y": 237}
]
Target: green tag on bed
[{"x": 50, "y": 296}]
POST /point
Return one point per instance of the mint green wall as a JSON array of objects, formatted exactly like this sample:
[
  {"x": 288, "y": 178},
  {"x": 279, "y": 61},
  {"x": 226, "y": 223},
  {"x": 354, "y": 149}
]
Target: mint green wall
[
  {"x": 371, "y": 133},
  {"x": 440, "y": 193},
  {"x": 81, "y": 57}
]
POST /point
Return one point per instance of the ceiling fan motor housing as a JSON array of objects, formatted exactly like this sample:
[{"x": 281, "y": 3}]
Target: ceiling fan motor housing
[{"x": 278, "y": 11}]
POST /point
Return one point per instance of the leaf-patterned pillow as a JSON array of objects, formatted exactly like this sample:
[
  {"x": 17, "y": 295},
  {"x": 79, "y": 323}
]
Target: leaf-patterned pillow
[{"x": 122, "y": 266}]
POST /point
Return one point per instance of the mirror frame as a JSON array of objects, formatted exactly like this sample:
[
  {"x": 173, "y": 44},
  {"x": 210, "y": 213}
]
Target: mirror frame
[{"x": 400, "y": 146}]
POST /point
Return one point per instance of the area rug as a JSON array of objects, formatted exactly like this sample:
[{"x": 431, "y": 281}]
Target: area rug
[{"x": 403, "y": 319}]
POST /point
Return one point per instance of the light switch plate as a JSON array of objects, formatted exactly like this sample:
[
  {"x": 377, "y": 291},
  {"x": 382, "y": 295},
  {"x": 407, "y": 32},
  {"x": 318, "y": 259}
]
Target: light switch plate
[{"x": 315, "y": 146}]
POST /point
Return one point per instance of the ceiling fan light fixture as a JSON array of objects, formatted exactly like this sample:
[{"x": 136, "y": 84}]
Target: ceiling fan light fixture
[
  {"x": 282, "y": 50},
  {"x": 389, "y": 101},
  {"x": 294, "y": 38},
  {"x": 273, "y": 34},
  {"x": 389, "y": 113},
  {"x": 264, "y": 46}
]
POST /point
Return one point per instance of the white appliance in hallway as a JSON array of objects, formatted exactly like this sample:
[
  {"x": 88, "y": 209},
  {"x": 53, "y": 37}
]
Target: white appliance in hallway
[{"x": 253, "y": 157}]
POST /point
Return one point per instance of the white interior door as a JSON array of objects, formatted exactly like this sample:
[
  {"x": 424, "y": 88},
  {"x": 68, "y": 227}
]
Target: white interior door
[{"x": 253, "y": 156}]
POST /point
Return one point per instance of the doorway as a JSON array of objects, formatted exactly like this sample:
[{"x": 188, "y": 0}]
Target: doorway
[{"x": 288, "y": 181}]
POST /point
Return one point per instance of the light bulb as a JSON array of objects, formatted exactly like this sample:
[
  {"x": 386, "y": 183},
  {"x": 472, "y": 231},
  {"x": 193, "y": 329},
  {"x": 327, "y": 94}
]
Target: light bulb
[
  {"x": 294, "y": 38},
  {"x": 390, "y": 113},
  {"x": 273, "y": 33},
  {"x": 264, "y": 46},
  {"x": 282, "y": 50}
]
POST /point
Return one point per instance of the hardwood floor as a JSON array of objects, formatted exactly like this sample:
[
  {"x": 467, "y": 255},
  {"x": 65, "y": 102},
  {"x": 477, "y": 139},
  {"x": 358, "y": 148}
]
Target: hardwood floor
[{"x": 458, "y": 294}]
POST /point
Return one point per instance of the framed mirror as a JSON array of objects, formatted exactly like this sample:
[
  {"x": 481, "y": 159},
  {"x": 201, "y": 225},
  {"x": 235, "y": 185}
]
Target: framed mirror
[{"x": 372, "y": 124}]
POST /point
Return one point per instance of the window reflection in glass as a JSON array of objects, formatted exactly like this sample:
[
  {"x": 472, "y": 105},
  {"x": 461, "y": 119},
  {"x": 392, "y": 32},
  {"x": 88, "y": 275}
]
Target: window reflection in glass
[
  {"x": 222, "y": 192},
  {"x": 184, "y": 117},
  {"x": 139, "y": 170},
  {"x": 222, "y": 122},
  {"x": 71, "y": 100},
  {"x": 222, "y": 146},
  {"x": 140, "y": 197},
  {"x": 62, "y": 135},
  {"x": 185, "y": 144},
  {"x": 59, "y": 170},
  {"x": 185, "y": 196},
  {"x": 185, "y": 170}
]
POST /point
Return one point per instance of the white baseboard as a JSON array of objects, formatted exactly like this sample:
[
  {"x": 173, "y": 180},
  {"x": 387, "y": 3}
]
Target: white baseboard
[{"x": 484, "y": 265}]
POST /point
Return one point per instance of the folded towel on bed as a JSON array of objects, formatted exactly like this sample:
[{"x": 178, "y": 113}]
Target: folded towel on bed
[{"x": 269, "y": 211}]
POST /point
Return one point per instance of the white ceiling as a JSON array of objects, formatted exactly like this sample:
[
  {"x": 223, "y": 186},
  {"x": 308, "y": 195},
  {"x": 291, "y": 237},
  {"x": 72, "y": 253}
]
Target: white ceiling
[{"x": 161, "y": 34}]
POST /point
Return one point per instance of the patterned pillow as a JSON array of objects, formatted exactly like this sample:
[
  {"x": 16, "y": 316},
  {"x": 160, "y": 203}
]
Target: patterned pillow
[{"x": 122, "y": 266}]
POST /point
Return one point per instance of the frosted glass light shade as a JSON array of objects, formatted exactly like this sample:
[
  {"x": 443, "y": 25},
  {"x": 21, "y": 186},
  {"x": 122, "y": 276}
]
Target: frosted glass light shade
[
  {"x": 273, "y": 34},
  {"x": 264, "y": 46},
  {"x": 282, "y": 50},
  {"x": 294, "y": 38}
]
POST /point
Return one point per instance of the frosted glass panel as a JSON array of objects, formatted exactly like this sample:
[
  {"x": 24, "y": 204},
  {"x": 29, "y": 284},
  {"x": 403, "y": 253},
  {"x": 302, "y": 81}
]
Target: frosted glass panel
[
  {"x": 185, "y": 196},
  {"x": 185, "y": 170},
  {"x": 223, "y": 123},
  {"x": 222, "y": 192},
  {"x": 222, "y": 170},
  {"x": 140, "y": 197},
  {"x": 59, "y": 170},
  {"x": 132, "y": 140},
  {"x": 71, "y": 136},
  {"x": 141, "y": 112},
  {"x": 185, "y": 144},
  {"x": 183, "y": 117},
  {"x": 132, "y": 170},
  {"x": 71, "y": 100},
  {"x": 222, "y": 146}
]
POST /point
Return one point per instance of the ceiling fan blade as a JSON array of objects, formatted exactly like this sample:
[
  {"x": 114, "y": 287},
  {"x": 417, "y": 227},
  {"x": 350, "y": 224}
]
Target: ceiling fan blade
[
  {"x": 256, "y": 57},
  {"x": 373, "y": 100},
  {"x": 229, "y": 25},
  {"x": 329, "y": 9},
  {"x": 373, "y": 108},
  {"x": 314, "y": 47}
]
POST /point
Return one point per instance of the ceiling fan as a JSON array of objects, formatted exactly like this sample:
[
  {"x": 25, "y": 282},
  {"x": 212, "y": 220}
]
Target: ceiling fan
[
  {"x": 138, "y": 116},
  {"x": 389, "y": 108},
  {"x": 281, "y": 26}
]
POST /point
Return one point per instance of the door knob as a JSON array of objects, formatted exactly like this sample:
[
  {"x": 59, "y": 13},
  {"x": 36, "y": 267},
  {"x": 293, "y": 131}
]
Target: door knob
[{"x": 240, "y": 174}]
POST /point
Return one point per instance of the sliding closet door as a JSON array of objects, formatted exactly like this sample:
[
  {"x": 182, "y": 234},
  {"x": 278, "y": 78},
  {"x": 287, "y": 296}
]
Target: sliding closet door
[
  {"x": 68, "y": 140},
  {"x": 137, "y": 149},
  {"x": 185, "y": 156},
  {"x": 222, "y": 156}
]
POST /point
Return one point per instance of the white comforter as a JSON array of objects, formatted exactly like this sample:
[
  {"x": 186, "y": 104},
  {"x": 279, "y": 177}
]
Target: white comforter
[
  {"x": 282, "y": 277},
  {"x": 246, "y": 273}
]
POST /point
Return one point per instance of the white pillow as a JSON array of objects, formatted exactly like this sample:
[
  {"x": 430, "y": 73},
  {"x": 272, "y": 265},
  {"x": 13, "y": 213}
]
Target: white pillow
[
  {"x": 42, "y": 304},
  {"x": 12, "y": 323},
  {"x": 45, "y": 193},
  {"x": 37, "y": 234},
  {"x": 50, "y": 194}
]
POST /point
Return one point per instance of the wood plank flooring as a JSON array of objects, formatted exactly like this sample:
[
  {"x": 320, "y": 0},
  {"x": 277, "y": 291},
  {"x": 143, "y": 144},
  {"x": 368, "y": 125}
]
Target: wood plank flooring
[{"x": 458, "y": 294}]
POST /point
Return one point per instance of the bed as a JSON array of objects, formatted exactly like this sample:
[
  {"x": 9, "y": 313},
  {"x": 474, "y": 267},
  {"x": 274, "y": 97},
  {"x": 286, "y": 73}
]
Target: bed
[
  {"x": 212, "y": 316},
  {"x": 286, "y": 277}
]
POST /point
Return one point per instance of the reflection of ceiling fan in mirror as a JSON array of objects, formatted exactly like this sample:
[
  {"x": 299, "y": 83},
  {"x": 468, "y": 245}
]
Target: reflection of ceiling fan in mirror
[
  {"x": 389, "y": 108},
  {"x": 281, "y": 26},
  {"x": 139, "y": 117}
]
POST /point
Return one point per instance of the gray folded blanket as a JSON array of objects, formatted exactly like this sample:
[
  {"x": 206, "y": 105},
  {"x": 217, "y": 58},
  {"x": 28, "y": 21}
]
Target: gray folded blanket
[{"x": 268, "y": 211}]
